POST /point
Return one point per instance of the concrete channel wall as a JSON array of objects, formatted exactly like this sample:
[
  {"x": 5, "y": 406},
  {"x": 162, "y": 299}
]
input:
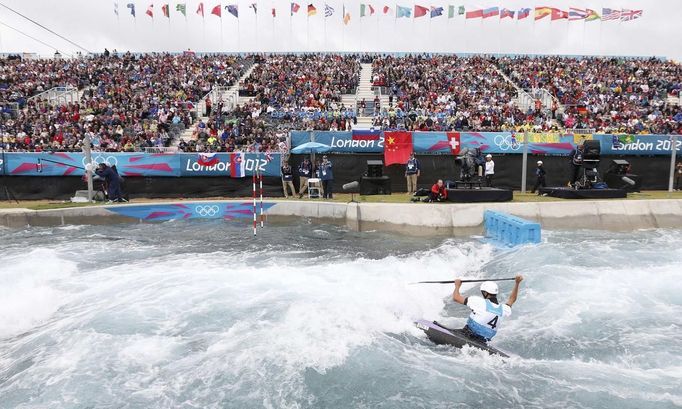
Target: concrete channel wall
[{"x": 411, "y": 218}]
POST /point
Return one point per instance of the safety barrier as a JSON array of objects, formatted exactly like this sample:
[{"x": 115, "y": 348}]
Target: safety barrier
[{"x": 510, "y": 230}]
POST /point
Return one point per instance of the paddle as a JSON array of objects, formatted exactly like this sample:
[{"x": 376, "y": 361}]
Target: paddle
[{"x": 466, "y": 281}]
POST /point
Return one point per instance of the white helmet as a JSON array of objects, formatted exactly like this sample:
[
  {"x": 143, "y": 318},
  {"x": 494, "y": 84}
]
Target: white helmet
[
  {"x": 489, "y": 287},
  {"x": 539, "y": 162}
]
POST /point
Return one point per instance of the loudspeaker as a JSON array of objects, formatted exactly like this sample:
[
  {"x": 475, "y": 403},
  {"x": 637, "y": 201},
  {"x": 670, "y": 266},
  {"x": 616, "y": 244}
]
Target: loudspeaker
[
  {"x": 375, "y": 168},
  {"x": 375, "y": 186},
  {"x": 591, "y": 150},
  {"x": 618, "y": 167}
]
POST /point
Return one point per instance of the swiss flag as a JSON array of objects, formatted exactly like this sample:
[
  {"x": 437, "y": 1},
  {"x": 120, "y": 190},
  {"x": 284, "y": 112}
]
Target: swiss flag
[
  {"x": 559, "y": 14},
  {"x": 455, "y": 142},
  {"x": 397, "y": 147}
]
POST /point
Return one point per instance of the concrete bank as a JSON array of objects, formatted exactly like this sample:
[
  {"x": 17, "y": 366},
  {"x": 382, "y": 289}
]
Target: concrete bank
[{"x": 412, "y": 218}]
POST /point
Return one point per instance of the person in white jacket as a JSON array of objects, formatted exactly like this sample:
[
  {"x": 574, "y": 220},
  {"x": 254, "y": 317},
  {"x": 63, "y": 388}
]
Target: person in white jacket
[{"x": 489, "y": 170}]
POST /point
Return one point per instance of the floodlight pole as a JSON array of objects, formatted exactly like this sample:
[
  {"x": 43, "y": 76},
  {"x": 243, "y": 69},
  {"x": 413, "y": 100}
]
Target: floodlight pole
[
  {"x": 673, "y": 158},
  {"x": 524, "y": 168}
]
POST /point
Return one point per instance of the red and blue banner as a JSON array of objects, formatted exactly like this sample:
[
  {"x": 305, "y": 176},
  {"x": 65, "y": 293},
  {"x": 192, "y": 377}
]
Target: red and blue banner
[{"x": 142, "y": 164}]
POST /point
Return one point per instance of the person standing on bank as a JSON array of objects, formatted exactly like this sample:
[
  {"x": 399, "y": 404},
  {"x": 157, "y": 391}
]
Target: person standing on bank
[
  {"x": 412, "y": 172},
  {"x": 288, "y": 180},
  {"x": 327, "y": 177},
  {"x": 576, "y": 156},
  {"x": 489, "y": 170},
  {"x": 540, "y": 173},
  {"x": 305, "y": 169}
]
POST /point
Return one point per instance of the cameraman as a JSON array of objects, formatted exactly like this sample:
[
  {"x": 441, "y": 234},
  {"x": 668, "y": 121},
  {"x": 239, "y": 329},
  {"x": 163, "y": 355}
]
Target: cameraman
[
  {"x": 438, "y": 192},
  {"x": 576, "y": 157},
  {"x": 113, "y": 181}
]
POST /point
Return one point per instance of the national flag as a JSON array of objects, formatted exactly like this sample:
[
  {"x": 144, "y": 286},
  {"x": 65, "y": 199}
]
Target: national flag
[
  {"x": 116, "y": 8},
  {"x": 150, "y": 11},
  {"x": 165, "y": 10},
  {"x": 491, "y": 12},
  {"x": 365, "y": 9},
  {"x": 365, "y": 135},
  {"x": 451, "y": 11},
  {"x": 436, "y": 11},
  {"x": 311, "y": 10},
  {"x": 576, "y": 14},
  {"x": 461, "y": 10},
  {"x": 420, "y": 11},
  {"x": 629, "y": 15},
  {"x": 362, "y": 10},
  {"x": 455, "y": 142},
  {"x": 523, "y": 13},
  {"x": 558, "y": 14},
  {"x": 233, "y": 9},
  {"x": 401, "y": 11},
  {"x": 294, "y": 8},
  {"x": 200, "y": 9},
  {"x": 387, "y": 10},
  {"x": 182, "y": 8},
  {"x": 328, "y": 10},
  {"x": 609, "y": 14},
  {"x": 217, "y": 11},
  {"x": 474, "y": 14},
  {"x": 207, "y": 159},
  {"x": 254, "y": 6},
  {"x": 397, "y": 147},
  {"x": 237, "y": 168},
  {"x": 131, "y": 6},
  {"x": 542, "y": 12},
  {"x": 592, "y": 15},
  {"x": 507, "y": 13},
  {"x": 274, "y": 12},
  {"x": 345, "y": 15}
]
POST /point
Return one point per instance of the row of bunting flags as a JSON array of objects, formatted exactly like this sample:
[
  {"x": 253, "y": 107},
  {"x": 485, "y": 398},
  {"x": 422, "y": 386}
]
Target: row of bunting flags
[{"x": 397, "y": 11}]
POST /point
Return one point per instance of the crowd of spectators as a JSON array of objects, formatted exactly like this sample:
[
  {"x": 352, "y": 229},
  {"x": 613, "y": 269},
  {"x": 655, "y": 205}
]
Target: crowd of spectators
[
  {"x": 126, "y": 102},
  {"x": 609, "y": 95}
]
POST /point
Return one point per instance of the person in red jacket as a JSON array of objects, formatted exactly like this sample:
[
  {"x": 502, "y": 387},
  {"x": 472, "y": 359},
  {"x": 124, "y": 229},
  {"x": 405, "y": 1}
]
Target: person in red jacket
[{"x": 438, "y": 192}]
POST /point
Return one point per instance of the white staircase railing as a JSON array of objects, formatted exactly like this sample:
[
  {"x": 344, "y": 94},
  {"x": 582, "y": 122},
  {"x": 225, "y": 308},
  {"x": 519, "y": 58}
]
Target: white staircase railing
[{"x": 58, "y": 95}]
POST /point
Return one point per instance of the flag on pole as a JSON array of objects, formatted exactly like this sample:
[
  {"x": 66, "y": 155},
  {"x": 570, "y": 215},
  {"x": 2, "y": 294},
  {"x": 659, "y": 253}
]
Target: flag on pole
[
  {"x": 217, "y": 11},
  {"x": 558, "y": 14},
  {"x": 397, "y": 147},
  {"x": 150, "y": 11},
  {"x": 294, "y": 8},
  {"x": 387, "y": 10},
  {"x": 131, "y": 6},
  {"x": 575, "y": 14},
  {"x": 507, "y": 13},
  {"x": 461, "y": 10},
  {"x": 436, "y": 11},
  {"x": 629, "y": 15},
  {"x": 328, "y": 10},
  {"x": 182, "y": 8},
  {"x": 274, "y": 12},
  {"x": 523, "y": 13},
  {"x": 200, "y": 10},
  {"x": 233, "y": 9},
  {"x": 491, "y": 12},
  {"x": 401, "y": 11},
  {"x": 610, "y": 14},
  {"x": 311, "y": 10},
  {"x": 542, "y": 12},
  {"x": 346, "y": 16},
  {"x": 165, "y": 10},
  {"x": 237, "y": 168},
  {"x": 366, "y": 8},
  {"x": 592, "y": 15},
  {"x": 451, "y": 11},
  {"x": 254, "y": 6},
  {"x": 420, "y": 11},
  {"x": 116, "y": 8}
]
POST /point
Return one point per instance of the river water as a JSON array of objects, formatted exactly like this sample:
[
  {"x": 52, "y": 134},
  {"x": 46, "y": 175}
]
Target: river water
[{"x": 203, "y": 315}]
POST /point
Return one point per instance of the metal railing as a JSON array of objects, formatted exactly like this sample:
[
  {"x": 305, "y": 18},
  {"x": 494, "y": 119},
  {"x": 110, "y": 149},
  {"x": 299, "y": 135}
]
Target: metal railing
[
  {"x": 581, "y": 131},
  {"x": 161, "y": 149},
  {"x": 58, "y": 95}
]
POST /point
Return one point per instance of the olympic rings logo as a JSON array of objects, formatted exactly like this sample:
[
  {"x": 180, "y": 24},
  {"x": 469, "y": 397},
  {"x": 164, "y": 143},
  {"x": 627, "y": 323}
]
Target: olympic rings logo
[
  {"x": 96, "y": 160},
  {"x": 207, "y": 211},
  {"x": 506, "y": 143}
]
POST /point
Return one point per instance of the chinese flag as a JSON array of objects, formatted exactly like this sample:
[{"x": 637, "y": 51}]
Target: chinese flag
[{"x": 397, "y": 147}]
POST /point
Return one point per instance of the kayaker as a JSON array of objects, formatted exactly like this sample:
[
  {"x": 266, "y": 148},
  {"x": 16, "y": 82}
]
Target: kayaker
[{"x": 486, "y": 312}]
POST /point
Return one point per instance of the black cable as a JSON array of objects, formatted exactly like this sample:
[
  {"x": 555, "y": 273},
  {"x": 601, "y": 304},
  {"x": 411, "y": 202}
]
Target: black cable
[
  {"x": 44, "y": 28},
  {"x": 32, "y": 38}
]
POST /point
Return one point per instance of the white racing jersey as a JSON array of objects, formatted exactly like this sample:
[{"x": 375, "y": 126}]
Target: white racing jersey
[{"x": 486, "y": 316}]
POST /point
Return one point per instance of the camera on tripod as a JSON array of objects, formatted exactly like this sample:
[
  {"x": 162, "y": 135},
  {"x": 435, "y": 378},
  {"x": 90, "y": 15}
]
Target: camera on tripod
[
  {"x": 589, "y": 174},
  {"x": 469, "y": 160}
]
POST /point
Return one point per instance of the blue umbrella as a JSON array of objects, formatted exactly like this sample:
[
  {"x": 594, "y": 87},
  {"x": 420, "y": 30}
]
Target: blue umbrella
[{"x": 311, "y": 147}]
